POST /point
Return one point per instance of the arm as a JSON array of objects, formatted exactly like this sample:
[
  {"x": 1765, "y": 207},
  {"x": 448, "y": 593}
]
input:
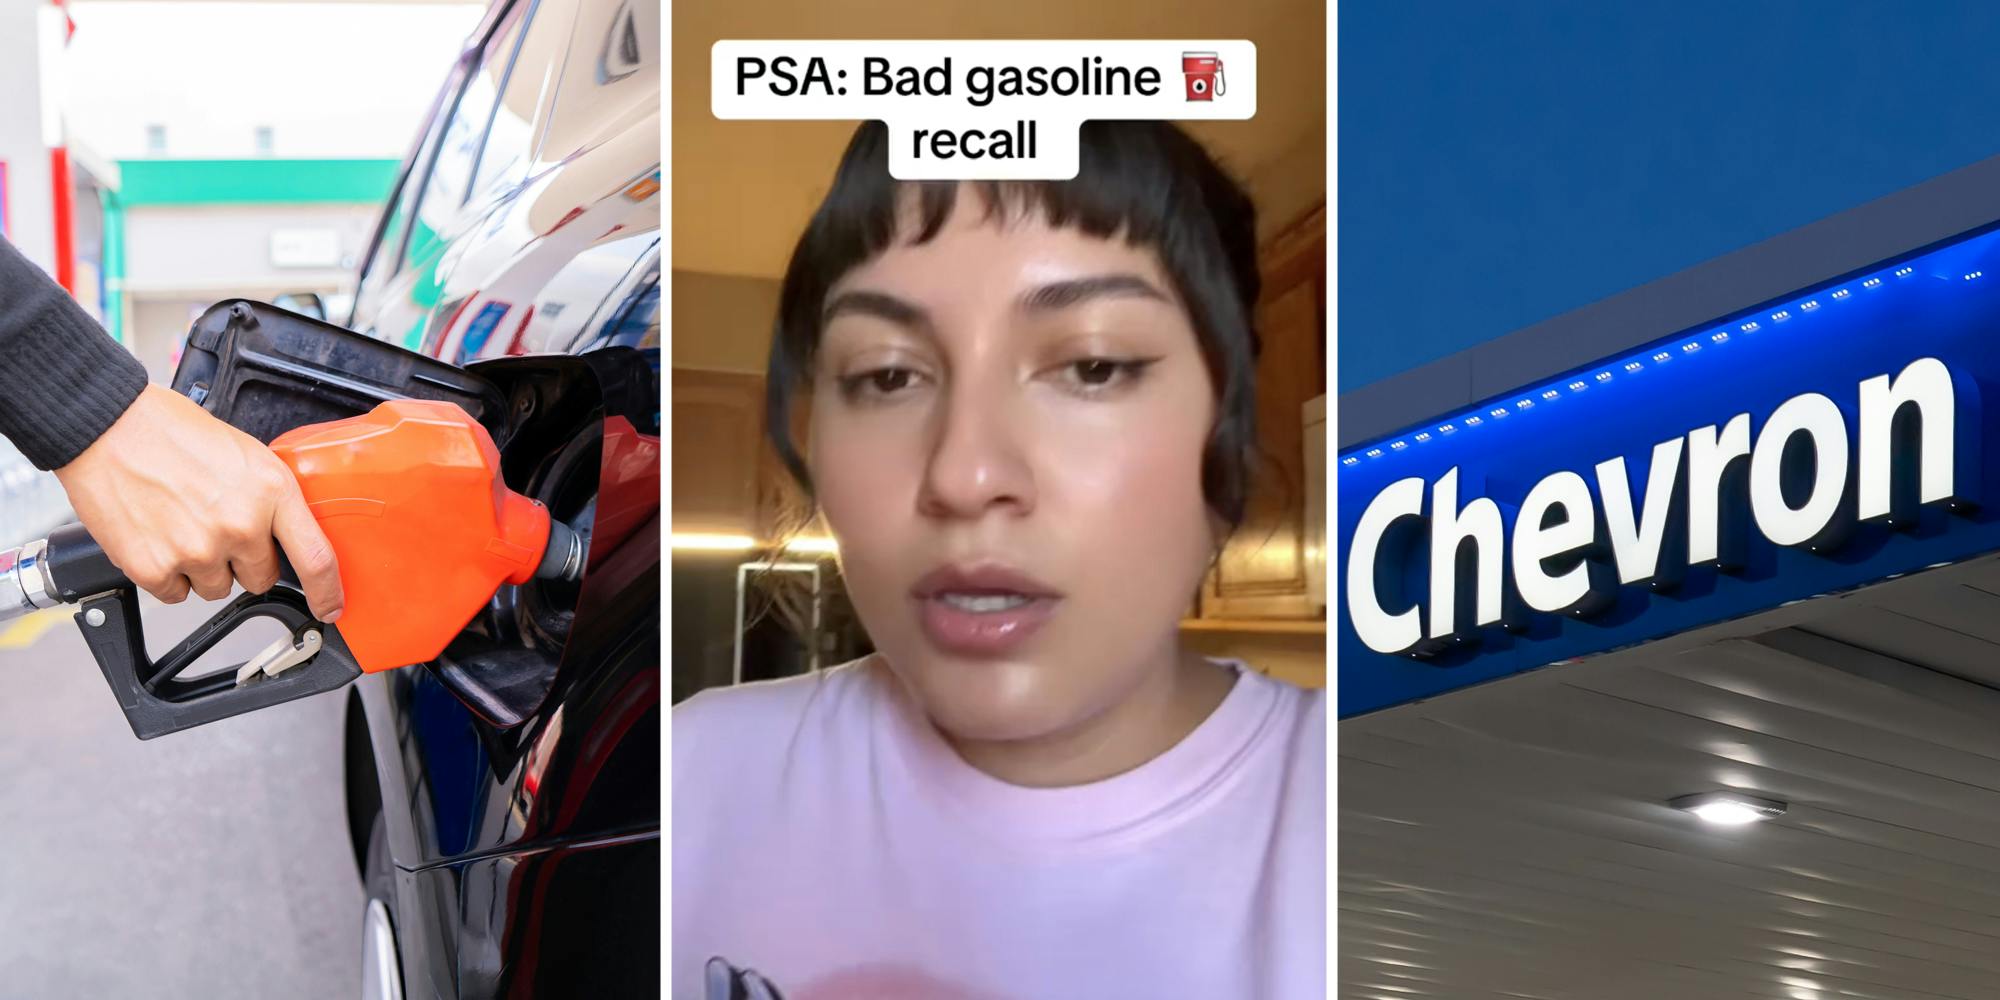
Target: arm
[
  {"x": 178, "y": 499},
  {"x": 64, "y": 381}
]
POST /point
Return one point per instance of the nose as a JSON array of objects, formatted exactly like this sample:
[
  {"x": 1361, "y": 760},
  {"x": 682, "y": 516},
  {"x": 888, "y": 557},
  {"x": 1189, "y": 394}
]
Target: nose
[{"x": 977, "y": 461}]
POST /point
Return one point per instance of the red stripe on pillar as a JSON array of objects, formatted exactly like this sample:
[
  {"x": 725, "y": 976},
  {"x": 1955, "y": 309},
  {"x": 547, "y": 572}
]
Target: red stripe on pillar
[
  {"x": 65, "y": 236},
  {"x": 59, "y": 178}
]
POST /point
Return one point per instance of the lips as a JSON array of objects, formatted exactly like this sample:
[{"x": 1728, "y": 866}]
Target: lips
[{"x": 982, "y": 611}]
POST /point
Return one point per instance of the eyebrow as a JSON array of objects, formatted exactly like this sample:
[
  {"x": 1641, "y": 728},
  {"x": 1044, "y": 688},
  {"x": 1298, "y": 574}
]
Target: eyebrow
[
  {"x": 878, "y": 305},
  {"x": 1051, "y": 297},
  {"x": 1064, "y": 294}
]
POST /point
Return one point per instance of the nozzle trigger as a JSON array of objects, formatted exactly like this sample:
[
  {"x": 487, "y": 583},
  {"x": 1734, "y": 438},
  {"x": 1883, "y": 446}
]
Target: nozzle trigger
[{"x": 279, "y": 657}]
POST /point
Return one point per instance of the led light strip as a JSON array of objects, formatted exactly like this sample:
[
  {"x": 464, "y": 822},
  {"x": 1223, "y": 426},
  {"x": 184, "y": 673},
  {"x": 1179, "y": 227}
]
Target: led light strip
[{"x": 1657, "y": 354}]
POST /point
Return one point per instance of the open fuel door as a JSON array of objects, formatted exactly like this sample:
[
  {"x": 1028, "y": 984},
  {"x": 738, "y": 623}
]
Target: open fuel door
[{"x": 266, "y": 371}]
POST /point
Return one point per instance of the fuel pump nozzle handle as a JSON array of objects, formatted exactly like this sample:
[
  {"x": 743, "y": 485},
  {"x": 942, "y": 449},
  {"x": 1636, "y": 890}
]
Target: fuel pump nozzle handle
[{"x": 68, "y": 567}]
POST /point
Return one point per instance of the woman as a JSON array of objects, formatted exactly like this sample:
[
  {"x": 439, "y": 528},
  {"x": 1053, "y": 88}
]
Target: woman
[{"x": 1030, "y": 428}]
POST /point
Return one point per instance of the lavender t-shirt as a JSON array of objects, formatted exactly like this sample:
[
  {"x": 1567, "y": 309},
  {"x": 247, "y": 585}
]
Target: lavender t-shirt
[{"x": 829, "y": 845}]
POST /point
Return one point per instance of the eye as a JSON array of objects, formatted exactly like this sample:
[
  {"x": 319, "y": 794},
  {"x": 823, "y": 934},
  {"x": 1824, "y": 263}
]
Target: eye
[
  {"x": 1096, "y": 371},
  {"x": 886, "y": 380},
  {"x": 1092, "y": 376},
  {"x": 879, "y": 383}
]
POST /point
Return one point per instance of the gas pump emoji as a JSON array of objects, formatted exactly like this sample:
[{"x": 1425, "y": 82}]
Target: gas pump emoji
[{"x": 1204, "y": 75}]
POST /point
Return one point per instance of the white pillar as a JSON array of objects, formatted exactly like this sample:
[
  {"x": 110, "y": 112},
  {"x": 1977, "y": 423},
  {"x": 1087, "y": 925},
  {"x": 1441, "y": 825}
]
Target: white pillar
[{"x": 30, "y": 196}]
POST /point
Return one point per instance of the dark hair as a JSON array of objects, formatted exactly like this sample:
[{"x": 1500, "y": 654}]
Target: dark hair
[{"x": 1149, "y": 181}]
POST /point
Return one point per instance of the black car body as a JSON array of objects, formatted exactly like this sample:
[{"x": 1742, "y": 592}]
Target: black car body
[{"x": 504, "y": 800}]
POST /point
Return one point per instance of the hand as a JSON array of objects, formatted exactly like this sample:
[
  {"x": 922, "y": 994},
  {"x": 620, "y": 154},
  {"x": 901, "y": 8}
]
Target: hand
[{"x": 180, "y": 500}]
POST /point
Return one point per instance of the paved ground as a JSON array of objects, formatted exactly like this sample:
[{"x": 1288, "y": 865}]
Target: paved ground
[{"x": 210, "y": 863}]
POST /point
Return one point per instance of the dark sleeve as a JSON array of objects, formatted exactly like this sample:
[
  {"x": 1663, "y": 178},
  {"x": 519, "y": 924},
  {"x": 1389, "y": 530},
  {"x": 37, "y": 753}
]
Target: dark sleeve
[{"x": 63, "y": 380}]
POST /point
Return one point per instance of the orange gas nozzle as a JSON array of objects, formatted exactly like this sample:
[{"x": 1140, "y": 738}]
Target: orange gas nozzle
[{"x": 425, "y": 530}]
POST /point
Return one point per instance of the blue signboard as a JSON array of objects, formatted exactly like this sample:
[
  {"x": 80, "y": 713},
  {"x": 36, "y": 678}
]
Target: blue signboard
[{"x": 1832, "y": 439}]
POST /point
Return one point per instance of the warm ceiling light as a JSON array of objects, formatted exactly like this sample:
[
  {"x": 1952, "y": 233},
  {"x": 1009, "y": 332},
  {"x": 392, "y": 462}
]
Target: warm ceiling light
[
  {"x": 1729, "y": 808},
  {"x": 713, "y": 543},
  {"x": 705, "y": 542}
]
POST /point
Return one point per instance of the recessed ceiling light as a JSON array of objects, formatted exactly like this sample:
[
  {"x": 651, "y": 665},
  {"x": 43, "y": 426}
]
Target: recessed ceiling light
[{"x": 1729, "y": 808}]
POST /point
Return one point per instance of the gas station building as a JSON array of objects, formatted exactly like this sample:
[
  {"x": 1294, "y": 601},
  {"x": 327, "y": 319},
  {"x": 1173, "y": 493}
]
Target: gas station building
[{"x": 1669, "y": 633}]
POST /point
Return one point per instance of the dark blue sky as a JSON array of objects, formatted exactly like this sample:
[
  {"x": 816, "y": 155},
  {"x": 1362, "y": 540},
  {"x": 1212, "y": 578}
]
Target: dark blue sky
[{"x": 1502, "y": 163}]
